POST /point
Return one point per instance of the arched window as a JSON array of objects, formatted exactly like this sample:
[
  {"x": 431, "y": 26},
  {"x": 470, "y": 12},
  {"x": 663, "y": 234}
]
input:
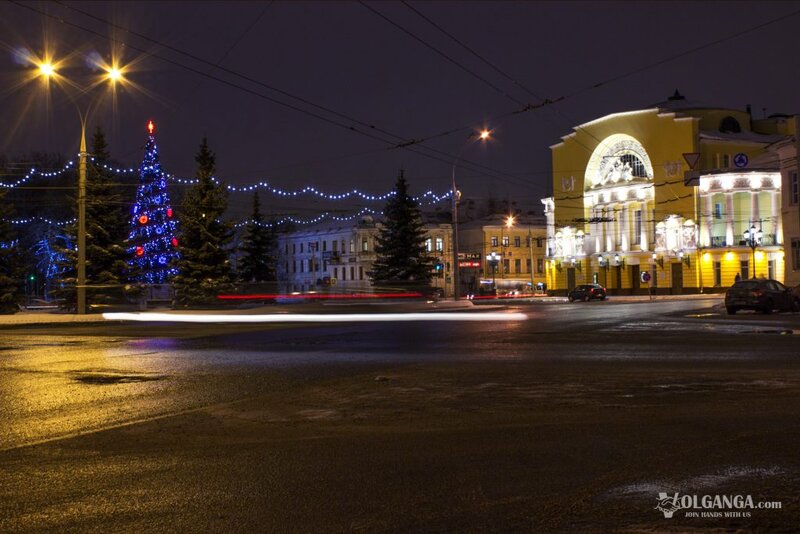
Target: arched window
[{"x": 729, "y": 125}]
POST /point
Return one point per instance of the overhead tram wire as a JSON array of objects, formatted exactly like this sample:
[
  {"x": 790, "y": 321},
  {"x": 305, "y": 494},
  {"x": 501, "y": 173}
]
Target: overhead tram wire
[
  {"x": 402, "y": 141},
  {"x": 444, "y": 55},
  {"x": 351, "y": 128}
]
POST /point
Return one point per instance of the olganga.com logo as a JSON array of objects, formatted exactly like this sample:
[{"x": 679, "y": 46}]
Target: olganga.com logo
[{"x": 710, "y": 505}]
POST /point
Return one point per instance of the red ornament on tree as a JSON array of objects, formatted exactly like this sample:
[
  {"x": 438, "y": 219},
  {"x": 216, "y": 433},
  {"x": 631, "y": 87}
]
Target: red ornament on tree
[
  {"x": 139, "y": 251},
  {"x": 174, "y": 242},
  {"x": 169, "y": 212},
  {"x": 143, "y": 219}
]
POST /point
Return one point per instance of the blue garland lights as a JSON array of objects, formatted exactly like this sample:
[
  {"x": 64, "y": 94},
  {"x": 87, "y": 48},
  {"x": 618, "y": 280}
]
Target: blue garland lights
[{"x": 153, "y": 245}]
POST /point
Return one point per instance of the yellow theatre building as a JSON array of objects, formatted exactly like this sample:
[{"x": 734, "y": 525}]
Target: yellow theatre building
[{"x": 676, "y": 198}]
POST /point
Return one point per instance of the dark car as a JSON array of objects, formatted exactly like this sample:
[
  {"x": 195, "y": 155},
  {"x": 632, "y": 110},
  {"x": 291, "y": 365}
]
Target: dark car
[
  {"x": 587, "y": 292},
  {"x": 762, "y": 294}
]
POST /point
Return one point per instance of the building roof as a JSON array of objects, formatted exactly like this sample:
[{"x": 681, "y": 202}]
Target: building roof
[{"x": 747, "y": 137}]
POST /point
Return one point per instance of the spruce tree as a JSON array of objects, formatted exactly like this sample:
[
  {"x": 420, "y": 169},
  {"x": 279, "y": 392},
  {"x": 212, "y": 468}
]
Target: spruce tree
[
  {"x": 106, "y": 235},
  {"x": 400, "y": 249},
  {"x": 204, "y": 269},
  {"x": 106, "y": 228},
  {"x": 258, "y": 248},
  {"x": 10, "y": 261}
]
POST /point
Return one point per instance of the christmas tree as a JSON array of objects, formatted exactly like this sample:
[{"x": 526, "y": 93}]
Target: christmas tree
[
  {"x": 153, "y": 247},
  {"x": 400, "y": 249},
  {"x": 204, "y": 268},
  {"x": 258, "y": 247}
]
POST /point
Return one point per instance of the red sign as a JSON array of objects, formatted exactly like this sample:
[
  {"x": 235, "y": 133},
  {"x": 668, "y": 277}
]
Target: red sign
[{"x": 469, "y": 264}]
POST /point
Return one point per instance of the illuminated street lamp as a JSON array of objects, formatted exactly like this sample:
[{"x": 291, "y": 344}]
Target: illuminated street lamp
[
  {"x": 753, "y": 237},
  {"x": 494, "y": 258},
  {"x": 456, "y": 196},
  {"x": 113, "y": 74}
]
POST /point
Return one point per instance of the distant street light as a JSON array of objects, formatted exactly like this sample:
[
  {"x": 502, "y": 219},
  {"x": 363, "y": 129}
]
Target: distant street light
[
  {"x": 113, "y": 75},
  {"x": 456, "y": 195},
  {"x": 494, "y": 258},
  {"x": 753, "y": 237}
]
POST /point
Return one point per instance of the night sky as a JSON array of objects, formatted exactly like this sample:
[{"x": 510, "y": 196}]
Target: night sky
[{"x": 346, "y": 58}]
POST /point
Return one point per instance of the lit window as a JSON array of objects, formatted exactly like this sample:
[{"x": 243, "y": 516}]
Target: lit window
[
  {"x": 428, "y": 245},
  {"x": 439, "y": 244},
  {"x": 505, "y": 240},
  {"x": 352, "y": 246},
  {"x": 364, "y": 245},
  {"x": 718, "y": 211},
  {"x": 494, "y": 240}
]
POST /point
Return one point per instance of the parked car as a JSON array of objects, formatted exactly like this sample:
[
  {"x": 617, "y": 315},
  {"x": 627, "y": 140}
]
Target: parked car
[
  {"x": 763, "y": 295},
  {"x": 587, "y": 292}
]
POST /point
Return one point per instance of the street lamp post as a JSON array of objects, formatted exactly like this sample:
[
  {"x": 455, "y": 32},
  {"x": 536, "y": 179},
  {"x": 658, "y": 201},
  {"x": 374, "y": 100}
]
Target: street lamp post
[
  {"x": 455, "y": 194},
  {"x": 113, "y": 74},
  {"x": 494, "y": 258},
  {"x": 753, "y": 237}
]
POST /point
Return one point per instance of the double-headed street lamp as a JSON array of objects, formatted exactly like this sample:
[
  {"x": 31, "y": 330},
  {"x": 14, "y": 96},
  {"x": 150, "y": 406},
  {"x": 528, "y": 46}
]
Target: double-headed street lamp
[
  {"x": 456, "y": 194},
  {"x": 753, "y": 237},
  {"x": 113, "y": 74}
]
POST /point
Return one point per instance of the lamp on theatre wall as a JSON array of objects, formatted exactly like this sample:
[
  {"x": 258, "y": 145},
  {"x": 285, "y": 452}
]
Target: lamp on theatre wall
[
  {"x": 684, "y": 258},
  {"x": 619, "y": 261},
  {"x": 558, "y": 265},
  {"x": 602, "y": 261},
  {"x": 657, "y": 260},
  {"x": 574, "y": 264}
]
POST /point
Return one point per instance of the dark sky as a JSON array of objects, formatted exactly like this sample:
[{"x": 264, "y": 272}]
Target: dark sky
[{"x": 346, "y": 58}]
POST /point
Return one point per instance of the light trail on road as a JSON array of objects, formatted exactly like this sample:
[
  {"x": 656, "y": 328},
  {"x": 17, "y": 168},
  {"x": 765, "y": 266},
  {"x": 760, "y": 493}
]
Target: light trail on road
[{"x": 316, "y": 318}]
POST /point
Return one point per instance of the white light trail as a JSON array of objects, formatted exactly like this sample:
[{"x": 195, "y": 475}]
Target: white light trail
[{"x": 314, "y": 318}]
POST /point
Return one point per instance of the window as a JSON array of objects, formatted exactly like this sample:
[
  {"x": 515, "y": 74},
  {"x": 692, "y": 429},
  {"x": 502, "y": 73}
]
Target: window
[
  {"x": 717, "y": 274},
  {"x": 528, "y": 265},
  {"x": 505, "y": 240},
  {"x": 335, "y": 271},
  {"x": 428, "y": 245},
  {"x": 637, "y": 227},
  {"x": 325, "y": 265},
  {"x": 538, "y": 242},
  {"x": 623, "y": 226},
  {"x": 771, "y": 269},
  {"x": 302, "y": 265},
  {"x": 342, "y": 246},
  {"x": 287, "y": 267},
  {"x": 794, "y": 187},
  {"x": 324, "y": 245},
  {"x": 286, "y": 249},
  {"x": 717, "y": 210},
  {"x": 301, "y": 248},
  {"x": 729, "y": 125},
  {"x": 335, "y": 245},
  {"x": 494, "y": 240},
  {"x": 506, "y": 266},
  {"x": 344, "y": 273},
  {"x": 360, "y": 272},
  {"x": 439, "y": 244},
  {"x": 294, "y": 266},
  {"x": 744, "y": 269},
  {"x": 539, "y": 265},
  {"x": 795, "y": 254},
  {"x": 517, "y": 266},
  {"x": 516, "y": 241},
  {"x": 364, "y": 244},
  {"x": 352, "y": 273},
  {"x": 528, "y": 241},
  {"x": 726, "y": 161},
  {"x": 294, "y": 248},
  {"x": 352, "y": 245}
]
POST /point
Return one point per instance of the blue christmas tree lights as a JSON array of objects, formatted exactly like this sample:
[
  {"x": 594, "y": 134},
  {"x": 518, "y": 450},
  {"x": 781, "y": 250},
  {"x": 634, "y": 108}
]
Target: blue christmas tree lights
[{"x": 152, "y": 243}]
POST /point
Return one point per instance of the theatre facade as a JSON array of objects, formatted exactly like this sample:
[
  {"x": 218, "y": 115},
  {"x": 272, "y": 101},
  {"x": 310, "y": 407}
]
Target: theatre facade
[{"x": 677, "y": 198}]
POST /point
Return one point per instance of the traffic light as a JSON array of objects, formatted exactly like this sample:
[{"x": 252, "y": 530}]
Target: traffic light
[{"x": 32, "y": 277}]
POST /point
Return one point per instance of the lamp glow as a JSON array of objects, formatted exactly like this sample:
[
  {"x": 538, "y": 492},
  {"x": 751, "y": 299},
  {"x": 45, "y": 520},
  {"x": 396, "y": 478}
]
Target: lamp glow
[{"x": 46, "y": 69}]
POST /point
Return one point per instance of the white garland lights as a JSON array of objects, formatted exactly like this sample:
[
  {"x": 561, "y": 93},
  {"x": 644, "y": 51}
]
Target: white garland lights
[
  {"x": 33, "y": 172},
  {"x": 427, "y": 198}
]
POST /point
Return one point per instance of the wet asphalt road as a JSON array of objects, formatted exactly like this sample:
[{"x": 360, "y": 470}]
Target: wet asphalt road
[{"x": 575, "y": 418}]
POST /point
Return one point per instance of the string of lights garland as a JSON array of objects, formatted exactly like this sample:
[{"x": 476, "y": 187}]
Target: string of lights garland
[
  {"x": 29, "y": 220},
  {"x": 34, "y": 172},
  {"x": 307, "y": 190}
]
